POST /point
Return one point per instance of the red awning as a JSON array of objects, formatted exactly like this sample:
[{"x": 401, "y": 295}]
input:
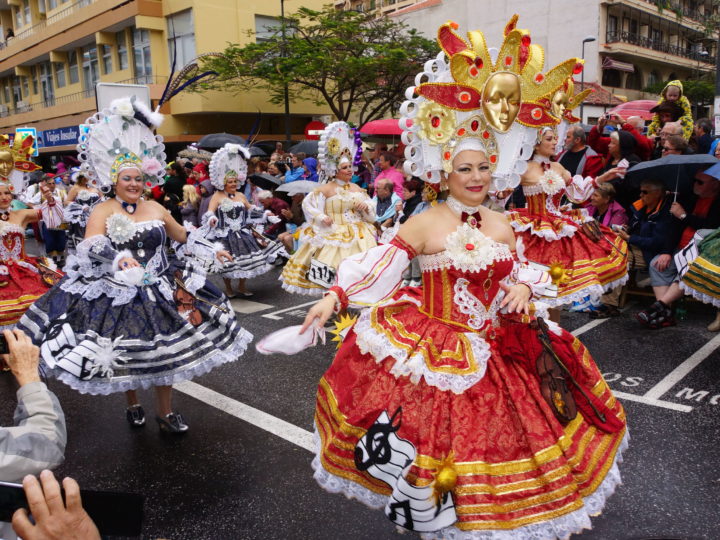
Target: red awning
[{"x": 609, "y": 63}]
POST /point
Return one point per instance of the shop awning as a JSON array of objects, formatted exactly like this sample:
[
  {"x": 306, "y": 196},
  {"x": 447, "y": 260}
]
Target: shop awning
[{"x": 610, "y": 63}]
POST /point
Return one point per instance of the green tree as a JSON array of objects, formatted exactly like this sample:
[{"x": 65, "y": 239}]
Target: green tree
[{"x": 356, "y": 64}]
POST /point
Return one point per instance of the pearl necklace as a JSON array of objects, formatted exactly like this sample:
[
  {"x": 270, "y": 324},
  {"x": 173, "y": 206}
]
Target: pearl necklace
[{"x": 458, "y": 207}]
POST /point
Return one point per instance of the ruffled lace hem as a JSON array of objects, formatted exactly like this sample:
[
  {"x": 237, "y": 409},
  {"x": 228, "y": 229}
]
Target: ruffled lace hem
[
  {"x": 561, "y": 527},
  {"x": 567, "y": 231},
  {"x": 209, "y": 362},
  {"x": 593, "y": 291},
  {"x": 373, "y": 342},
  {"x": 697, "y": 295},
  {"x": 302, "y": 290},
  {"x": 245, "y": 274}
]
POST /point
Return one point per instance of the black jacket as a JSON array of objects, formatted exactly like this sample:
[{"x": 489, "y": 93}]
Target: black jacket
[{"x": 653, "y": 232}]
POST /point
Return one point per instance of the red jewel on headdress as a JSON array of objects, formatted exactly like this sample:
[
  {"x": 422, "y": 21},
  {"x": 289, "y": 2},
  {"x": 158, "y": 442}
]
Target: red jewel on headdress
[
  {"x": 493, "y": 158},
  {"x": 473, "y": 71},
  {"x": 464, "y": 97},
  {"x": 508, "y": 60},
  {"x": 474, "y": 125},
  {"x": 525, "y": 40},
  {"x": 539, "y": 78},
  {"x": 461, "y": 132},
  {"x": 435, "y": 121},
  {"x": 429, "y": 174},
  {"x": 148, "y": 184},
  {"x": 578, "y": 68},
  {"x": 447, "y": 155},
  {"x": 479, "y": 63},
  {"x": 486, "y": 134},
  {"x": 469, "y": 247},
  {"x": 454, "y": 25},
  {"x": 536, "y": 113}
]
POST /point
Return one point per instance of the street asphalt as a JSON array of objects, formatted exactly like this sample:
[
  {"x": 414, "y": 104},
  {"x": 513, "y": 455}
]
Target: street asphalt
[{"x": 227, "y": 478}]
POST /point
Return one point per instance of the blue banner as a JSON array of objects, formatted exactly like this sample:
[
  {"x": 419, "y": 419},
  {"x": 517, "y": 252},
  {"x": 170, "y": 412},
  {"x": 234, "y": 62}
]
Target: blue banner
[{"x": 59, "y": 137}]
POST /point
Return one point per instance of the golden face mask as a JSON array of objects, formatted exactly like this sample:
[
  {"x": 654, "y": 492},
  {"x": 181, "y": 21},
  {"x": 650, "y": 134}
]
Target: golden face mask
[
  {"x": 501, "y": 100},
  {"x": 7, "y": 163},
  {"x": 559, "y": 104}
]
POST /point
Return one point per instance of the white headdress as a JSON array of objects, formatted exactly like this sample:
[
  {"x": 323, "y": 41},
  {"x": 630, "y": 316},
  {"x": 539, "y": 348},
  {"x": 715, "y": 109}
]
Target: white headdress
[
  {"x": 338, "y": 143},
  {"x": 453, "y": 102},
  {"x": 120, "y": 138},
  {"x": 230, "y": 160}
]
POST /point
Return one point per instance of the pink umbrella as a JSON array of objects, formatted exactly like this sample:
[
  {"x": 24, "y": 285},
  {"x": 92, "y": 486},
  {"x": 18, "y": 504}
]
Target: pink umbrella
[
  {"x": 387, "y": 126},
  {"x": 640, "y": 107}
]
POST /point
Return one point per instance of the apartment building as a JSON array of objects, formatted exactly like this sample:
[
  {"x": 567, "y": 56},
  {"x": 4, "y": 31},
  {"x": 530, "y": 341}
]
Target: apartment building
[
  {"x": 636, "y": 42},
  {"x": 53, "y": 52}
]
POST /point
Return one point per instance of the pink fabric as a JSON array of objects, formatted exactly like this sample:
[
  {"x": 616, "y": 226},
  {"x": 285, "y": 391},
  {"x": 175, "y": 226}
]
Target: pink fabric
[
  {"x": 615, "y": 214},
  {"x": 397, "y": 179}
]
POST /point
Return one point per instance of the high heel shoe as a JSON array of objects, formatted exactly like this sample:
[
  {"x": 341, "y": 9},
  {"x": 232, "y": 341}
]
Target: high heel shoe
[
  {"x": 135, "y": 415},
  {"x": 715, "y": 325},
  {"x": 172, "y": 423}
]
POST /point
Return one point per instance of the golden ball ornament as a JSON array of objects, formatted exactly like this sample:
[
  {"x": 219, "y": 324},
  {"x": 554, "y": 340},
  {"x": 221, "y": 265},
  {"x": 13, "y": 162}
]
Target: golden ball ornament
[{"x": 446, "y": 478}]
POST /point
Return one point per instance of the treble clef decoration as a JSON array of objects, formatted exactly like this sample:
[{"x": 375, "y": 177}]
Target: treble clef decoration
[{"x": 377, "y": 443}]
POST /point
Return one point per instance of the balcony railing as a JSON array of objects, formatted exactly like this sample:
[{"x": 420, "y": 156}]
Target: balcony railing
[
  {"x": 656, "y": 45},
  {"x": 676, "y": 7},
  {"x": 52, "y": 19}
]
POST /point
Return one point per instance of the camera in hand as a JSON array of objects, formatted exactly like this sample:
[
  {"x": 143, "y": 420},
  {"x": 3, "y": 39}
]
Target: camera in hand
[{"x": 114, "y": 514}]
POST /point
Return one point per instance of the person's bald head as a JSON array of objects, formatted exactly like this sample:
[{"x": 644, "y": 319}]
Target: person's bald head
[{"x": 384, "y": 188}]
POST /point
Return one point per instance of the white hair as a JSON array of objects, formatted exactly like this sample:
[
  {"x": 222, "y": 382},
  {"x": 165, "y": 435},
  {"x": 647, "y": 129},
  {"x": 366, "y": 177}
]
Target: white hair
[{"x": 264, "y": 194}]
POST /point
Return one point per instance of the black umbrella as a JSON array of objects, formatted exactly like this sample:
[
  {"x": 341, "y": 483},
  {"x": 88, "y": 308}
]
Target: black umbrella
[
  {"x": 307, "y": 147},
  {"x": 218, "y": 140},
  {"x": 256, "y": 151},
  {"x": 265, "y": 181},
  {"x": 677, "y": 171}
]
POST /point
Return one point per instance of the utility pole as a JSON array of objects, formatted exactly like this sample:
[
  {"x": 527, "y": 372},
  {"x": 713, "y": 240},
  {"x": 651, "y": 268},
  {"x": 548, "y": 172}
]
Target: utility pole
[{"x": 288, "y": 135}]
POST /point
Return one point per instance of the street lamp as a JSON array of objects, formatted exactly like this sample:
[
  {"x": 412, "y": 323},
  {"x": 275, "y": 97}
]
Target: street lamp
[
  {"x": 582, "y": 76},
  {"x": 288, "y": 140}
]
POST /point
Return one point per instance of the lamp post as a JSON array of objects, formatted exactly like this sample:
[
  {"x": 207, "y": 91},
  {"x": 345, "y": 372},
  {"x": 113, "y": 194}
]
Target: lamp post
[
  {"x": 288, "y": 136},
  {"x": 582, "y": 76}
]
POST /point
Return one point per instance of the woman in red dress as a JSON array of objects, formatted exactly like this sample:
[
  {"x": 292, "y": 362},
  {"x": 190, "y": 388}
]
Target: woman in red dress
[
  {"x": 23, "y": 279},
  {"x": 450, "y": 405}
]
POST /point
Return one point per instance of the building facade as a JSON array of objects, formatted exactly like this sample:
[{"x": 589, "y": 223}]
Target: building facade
[
  {"x": 636, "y": 43},
  {"x": 53, "y": 52}
]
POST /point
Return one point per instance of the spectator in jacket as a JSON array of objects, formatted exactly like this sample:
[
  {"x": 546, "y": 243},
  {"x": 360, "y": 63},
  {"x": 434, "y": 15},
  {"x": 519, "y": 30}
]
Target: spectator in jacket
[
  {"x": 297, "y": 170},
  {"x": 632, "y": 125},
  {"x": 648, "y": 234},
  {"x": 577, "y": 157},
  {"x": 605, "y": 209},
  {"x": 37, "y": 441},
  {"x": 701, "y": 210},
  {"x": 385, "y": 201},
  {"x": 703, "y": 136},
  {"x": 621, "y": 151}
]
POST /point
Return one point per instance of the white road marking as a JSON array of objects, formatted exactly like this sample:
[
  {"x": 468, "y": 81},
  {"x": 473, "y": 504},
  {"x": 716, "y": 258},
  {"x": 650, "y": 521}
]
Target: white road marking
[
  {"x": 683, "y": 369},
  {"x": 276, "y": 426},
  {"x": 274, "y": 314},
  {"x": 651, "y": 401},
  {"x": 589, "y": 326},
  {"x": 248, "y": 306}
]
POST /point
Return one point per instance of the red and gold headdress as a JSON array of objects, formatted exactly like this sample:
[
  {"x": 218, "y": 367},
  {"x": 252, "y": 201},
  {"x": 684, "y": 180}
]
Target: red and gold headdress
[
  {"x": 497, "y": 98},
  {"x": 17, "y": 155}
]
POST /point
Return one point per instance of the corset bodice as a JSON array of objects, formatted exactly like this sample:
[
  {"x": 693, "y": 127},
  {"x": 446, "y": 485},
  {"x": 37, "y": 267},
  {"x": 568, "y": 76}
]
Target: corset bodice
[
  {"x": 231, "y": 214},
  {"x": 340, "y": 207},
  {"x": 86, "y": 197},
  {"x": 12, "y": 242},
  {"x": 466, "y": 297},
  {"x": 540, "y": 203},
  {"x": 144, "y": 239}
]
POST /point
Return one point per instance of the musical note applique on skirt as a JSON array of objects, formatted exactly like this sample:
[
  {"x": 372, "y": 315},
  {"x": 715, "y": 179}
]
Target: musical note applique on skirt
[{"x": 388, "y": 458}]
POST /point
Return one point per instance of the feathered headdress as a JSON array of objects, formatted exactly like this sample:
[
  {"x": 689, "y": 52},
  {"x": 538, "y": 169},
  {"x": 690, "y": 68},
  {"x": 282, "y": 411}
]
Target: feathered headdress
[
  {"x": 17, "y": 156},
  {"x": 474, "y": 97},
  {"x": 230, "y": 160},
  {"x": 338, "y": 143},
  {"x": 120, "y": 138}
]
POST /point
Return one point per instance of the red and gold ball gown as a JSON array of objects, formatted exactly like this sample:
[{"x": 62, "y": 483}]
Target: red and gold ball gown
[
  {"x": 432, "y": 408},
  {"x": 23, "y": 279},
  {"x": 550, "y": 235}
]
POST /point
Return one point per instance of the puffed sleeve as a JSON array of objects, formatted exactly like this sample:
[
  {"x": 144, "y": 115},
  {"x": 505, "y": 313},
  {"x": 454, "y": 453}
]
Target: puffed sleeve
[
  {"x": 369, "y": 278},
  {"x": 313, "y": 206},
  {"x": 538, "y": 281}
]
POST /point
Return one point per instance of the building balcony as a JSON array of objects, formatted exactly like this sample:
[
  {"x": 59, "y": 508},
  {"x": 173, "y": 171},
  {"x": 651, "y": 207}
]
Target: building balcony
[
  {"x": 642, "y": 42},
  {"x": 690, "y": 18}
]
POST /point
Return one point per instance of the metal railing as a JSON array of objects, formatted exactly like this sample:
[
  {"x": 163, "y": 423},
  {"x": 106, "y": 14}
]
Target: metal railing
[
  {"x": 685, "y": 11},
  {"x": 52, "y": 19},
  {"x": 656, "y": 45}
]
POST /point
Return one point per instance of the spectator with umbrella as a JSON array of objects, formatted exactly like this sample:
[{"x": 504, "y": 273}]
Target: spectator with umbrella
[{"x": 691, "y": 213}]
